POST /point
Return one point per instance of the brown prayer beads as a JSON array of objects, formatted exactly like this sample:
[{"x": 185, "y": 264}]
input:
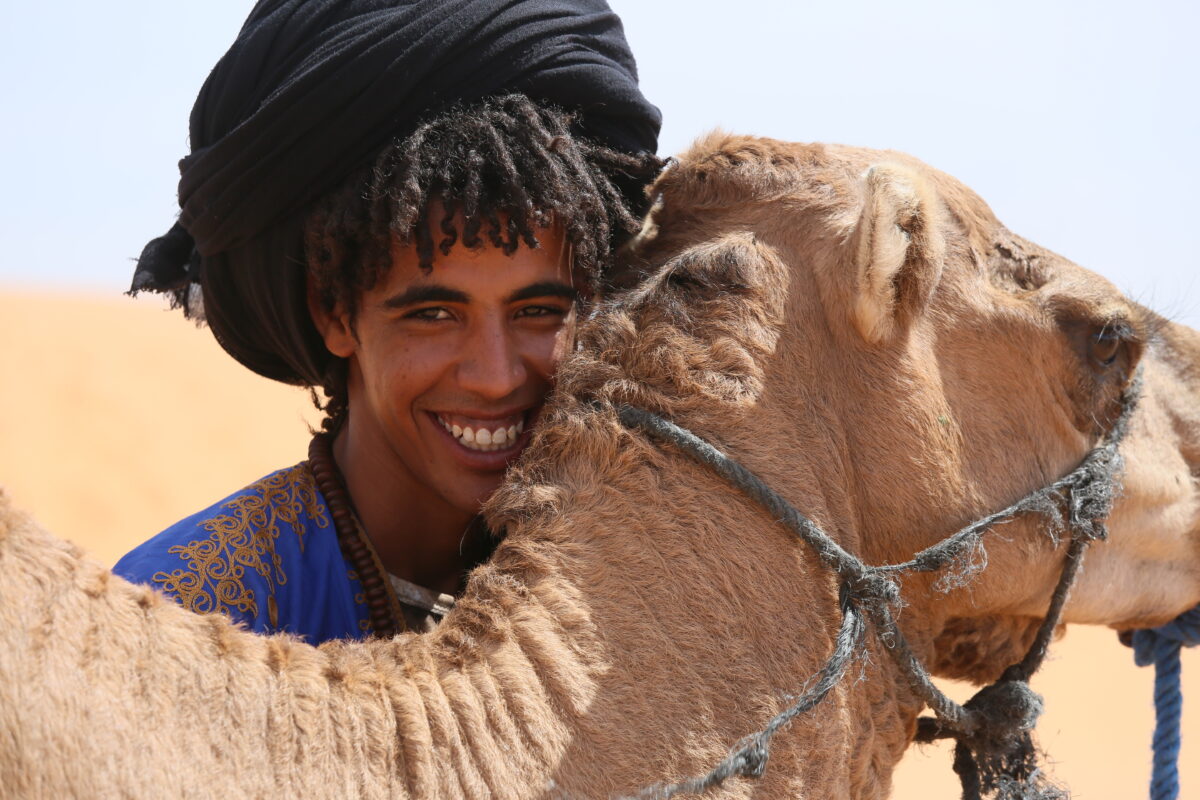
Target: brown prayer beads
[{"x": 386, "y": 618}]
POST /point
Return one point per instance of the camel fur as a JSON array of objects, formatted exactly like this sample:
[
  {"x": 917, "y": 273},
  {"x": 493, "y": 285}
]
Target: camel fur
[{"x": 853, "y": 326}]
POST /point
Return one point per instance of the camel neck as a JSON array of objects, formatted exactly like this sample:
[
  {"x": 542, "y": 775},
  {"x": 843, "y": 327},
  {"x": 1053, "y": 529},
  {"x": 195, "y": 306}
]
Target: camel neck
[{"x": 644, "y": 555}]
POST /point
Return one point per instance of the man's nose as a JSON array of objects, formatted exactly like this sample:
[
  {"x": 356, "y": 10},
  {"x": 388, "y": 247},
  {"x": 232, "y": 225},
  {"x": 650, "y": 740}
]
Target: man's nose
[{"x": 492, "y": 366}]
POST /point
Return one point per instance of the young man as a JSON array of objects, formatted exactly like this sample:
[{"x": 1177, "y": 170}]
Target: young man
[{"x": 429, "y": 294}]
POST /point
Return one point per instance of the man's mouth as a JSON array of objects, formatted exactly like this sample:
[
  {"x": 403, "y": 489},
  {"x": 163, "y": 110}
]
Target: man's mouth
[{"x": 484, "y": 435}]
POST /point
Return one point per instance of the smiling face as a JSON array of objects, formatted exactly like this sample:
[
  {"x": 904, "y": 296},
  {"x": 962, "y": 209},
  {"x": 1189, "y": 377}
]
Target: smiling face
[{"x": 448, "y": 368}]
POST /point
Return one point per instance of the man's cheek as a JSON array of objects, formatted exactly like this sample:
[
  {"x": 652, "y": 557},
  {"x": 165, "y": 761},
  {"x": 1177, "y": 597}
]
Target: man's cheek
[{"x": 562, "y": 344}]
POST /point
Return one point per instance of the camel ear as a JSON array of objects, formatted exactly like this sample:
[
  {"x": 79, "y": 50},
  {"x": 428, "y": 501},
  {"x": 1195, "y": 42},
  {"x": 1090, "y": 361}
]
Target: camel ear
[{"x": 898, "y": 249}]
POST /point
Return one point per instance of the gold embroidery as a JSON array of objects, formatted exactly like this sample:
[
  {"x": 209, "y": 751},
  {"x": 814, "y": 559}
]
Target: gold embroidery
[{"x": 245, "y": 538}]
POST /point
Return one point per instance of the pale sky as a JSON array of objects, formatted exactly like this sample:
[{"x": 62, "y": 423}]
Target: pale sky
[{"x": 1076, "y": 121}]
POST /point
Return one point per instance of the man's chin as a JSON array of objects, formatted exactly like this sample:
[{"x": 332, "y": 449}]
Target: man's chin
[{"x": 470, "y": 500}]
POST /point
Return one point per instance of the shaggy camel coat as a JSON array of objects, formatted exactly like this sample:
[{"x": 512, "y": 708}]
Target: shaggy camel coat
[{"x": 866, "y": 338}]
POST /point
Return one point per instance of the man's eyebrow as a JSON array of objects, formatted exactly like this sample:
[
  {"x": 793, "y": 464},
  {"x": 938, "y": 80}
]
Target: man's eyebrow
[
  {"x": 426, "y": 294},
  {"x": 544, "y": 289}
]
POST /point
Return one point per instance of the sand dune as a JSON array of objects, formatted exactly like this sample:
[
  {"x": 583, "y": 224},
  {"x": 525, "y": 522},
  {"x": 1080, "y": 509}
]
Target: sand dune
[{"x": 118, "y": 418}]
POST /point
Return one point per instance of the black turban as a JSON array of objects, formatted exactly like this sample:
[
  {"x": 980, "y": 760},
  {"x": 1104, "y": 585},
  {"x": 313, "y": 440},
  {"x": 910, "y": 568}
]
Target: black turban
[{"x": 311, "y": 90}]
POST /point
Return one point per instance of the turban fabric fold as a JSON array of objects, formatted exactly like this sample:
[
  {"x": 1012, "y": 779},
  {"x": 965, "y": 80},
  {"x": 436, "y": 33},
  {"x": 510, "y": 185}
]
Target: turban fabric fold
[{"x": 311, "y": 90}]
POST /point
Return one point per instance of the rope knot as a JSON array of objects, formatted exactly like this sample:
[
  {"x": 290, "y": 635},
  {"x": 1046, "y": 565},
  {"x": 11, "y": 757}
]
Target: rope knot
[
  {"x": 1151, "y": 644},
  {"x": 995, "y": 755},
  {"x": 751, "y": 761},
  {"x": 1003, "y": 712},
  {"x": 871, "y": 587},
  {"x": 1090, "y": 497}
]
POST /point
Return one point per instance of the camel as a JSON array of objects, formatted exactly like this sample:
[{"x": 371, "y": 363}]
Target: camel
[{"x": 856, "y": 328}]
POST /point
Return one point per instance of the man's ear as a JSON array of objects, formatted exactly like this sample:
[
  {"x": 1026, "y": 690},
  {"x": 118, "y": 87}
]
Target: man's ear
[
  {"x": 333, "y": 324},
  {"x": 897, "y": 249}
]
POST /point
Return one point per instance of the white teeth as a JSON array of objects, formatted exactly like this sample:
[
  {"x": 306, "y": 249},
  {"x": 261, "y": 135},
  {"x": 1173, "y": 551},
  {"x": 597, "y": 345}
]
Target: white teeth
[{"x": 483, "y": 439}]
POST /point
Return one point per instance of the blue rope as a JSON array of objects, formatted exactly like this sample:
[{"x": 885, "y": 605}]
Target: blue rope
[{"x": 1160, "y": 646}]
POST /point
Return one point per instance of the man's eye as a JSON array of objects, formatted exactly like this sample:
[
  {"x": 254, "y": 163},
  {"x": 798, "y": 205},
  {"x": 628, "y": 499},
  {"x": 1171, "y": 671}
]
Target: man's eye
[
  {"x": 541, "y": 311},
  {"x": 430, "y": 314}
]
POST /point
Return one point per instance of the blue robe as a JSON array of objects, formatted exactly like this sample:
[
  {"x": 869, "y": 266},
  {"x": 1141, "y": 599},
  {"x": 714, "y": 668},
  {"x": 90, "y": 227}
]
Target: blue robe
[{"x": 266, "y": 556}]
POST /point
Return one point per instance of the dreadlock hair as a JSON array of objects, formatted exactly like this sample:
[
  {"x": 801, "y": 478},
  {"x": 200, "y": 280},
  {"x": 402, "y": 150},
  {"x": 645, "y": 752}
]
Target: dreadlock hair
[{"x": 500, "y": 171}]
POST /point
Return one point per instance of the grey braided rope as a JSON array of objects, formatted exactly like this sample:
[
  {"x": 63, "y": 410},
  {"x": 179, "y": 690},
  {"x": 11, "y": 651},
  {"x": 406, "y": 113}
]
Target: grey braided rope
[{"x": 994, "y": 750}]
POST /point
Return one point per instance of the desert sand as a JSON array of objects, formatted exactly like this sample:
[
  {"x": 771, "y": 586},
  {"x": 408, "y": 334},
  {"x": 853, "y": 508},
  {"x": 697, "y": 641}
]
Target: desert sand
[{"x": 118, "y": 417}]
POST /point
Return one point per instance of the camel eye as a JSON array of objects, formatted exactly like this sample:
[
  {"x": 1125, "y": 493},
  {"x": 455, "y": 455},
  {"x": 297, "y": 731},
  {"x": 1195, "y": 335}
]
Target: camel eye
[
  {"x": 683, "y": 280},
  {"x": 1105, "y": 345}
]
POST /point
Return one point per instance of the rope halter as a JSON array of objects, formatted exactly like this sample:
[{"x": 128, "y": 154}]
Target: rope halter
[{"x": 994, "y": 751}]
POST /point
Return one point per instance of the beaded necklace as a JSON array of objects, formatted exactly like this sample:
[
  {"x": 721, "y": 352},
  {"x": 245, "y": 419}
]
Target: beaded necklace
[{"x": 387, "y": 619}]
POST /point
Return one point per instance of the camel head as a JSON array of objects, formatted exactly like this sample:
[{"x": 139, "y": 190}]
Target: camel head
[{"x": 860, "y": 330}]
